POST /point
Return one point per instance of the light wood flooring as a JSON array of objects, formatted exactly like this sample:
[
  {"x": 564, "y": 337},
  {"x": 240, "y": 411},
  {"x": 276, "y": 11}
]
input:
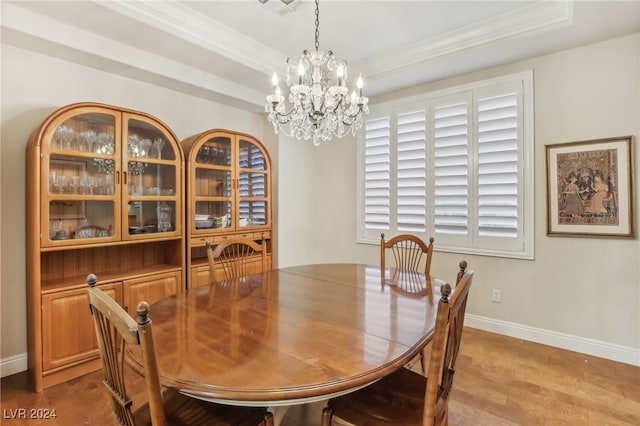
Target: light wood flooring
[{"x": 499, "y": 381}]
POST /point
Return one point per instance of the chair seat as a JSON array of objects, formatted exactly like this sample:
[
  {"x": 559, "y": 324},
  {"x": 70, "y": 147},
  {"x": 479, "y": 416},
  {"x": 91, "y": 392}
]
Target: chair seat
[
  {"x": 184, "y": 410},
  {"x": 397, "y": 399}
]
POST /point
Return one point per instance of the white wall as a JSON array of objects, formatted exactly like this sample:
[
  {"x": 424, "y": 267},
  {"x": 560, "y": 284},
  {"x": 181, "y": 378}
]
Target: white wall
[{"x": 579, "y": 293}]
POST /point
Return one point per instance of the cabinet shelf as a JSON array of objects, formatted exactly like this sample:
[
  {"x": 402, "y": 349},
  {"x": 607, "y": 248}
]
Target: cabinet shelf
[{"x": 101, "y": 241}]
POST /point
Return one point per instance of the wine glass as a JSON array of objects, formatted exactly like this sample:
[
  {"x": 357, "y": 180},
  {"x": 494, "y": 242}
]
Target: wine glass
[
  {"x": 53, "y": 181},
  {"x": 62, "y": 184},
  {"x": 87, "y": 140},
  {"x": 159, "y": 144},
  {"x": 133, "y": 146},
  {"x": 67, "y": 137},
  {"x": 75, "y": 184},
  {"x": 145, "y": 144},
  {"x": 104, "y": 143},
  {"x": 59, "y": 137}
]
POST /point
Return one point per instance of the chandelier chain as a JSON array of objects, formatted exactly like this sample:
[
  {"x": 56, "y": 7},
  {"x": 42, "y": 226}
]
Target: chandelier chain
[{"x": 317, "y": 24}]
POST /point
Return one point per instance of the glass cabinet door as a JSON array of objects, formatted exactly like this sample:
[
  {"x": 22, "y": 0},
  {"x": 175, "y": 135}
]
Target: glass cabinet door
[
  {"x": 215, "y": 151},
  {"x": 212, "y": 186},
  {"x": 253, "y": 184},
  {"x": 151, "y": 183},
  {"x": 79, "y": 180}
]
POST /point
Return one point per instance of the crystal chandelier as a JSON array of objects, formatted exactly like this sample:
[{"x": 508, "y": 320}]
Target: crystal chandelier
[{"x": 321, "y": 106}]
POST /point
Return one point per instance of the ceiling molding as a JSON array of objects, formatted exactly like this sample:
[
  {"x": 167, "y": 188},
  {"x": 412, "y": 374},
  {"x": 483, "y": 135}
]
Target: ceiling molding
[
  {"x": 23, "y": 28},
  {"x": 188, "y": 24},
  {"x": 524, "y": 20},
  {"x": 176, "y": 45}
]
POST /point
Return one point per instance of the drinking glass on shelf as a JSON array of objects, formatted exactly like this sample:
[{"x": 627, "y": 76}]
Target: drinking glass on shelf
[
  {"x": 84, "y": 184},
  {"x": 75, "y": 184},
  {"x": 104, "y": 144},
  {"x": 145, "y": 145},
  {"x": 90, "y": 185},
  {"x": 59, "y": 136},
  {"x": 133, "y": 146},
  {"x": 158, "y": 143},
  {"x": 67, "y": 137},
  {"x": 62, "y": 184},
  {"x": 86, "y": 140},
  {"x": 53, "y": 181}
]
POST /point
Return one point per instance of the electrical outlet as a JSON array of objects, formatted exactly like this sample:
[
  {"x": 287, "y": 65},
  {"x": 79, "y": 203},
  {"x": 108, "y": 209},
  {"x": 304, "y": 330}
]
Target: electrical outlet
[{"x": 496, "y": 296}]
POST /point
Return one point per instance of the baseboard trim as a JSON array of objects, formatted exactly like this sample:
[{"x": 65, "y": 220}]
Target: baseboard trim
[
  {"x": 13, "y": 364},
  {"x": 611, "y": 351},
  {"x": 18, "y": 363}
]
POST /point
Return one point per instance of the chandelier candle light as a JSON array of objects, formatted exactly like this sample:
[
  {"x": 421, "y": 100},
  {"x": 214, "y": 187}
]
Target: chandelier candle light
[{"x": 321, "y": 106}]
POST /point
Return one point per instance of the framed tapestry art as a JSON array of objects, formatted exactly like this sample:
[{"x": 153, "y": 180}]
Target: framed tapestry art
[{"x": 590, "y": 188}]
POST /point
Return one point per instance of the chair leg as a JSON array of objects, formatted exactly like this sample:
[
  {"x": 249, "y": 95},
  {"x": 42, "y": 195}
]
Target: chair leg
[
  {"x": 327, "y": 413},
  {"x": 423, "y": 362}
]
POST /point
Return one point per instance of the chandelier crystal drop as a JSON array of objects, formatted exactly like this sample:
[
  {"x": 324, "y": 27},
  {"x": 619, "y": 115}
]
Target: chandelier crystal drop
[{"x": 321, "y": 105}]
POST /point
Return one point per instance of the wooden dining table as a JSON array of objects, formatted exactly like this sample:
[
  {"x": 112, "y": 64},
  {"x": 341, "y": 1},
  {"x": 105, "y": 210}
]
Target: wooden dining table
[{"x": 292, "y": 335}]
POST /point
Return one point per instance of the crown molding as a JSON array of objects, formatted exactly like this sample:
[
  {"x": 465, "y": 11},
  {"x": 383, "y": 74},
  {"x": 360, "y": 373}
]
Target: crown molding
[
  {"x": 190, "y": 25},
  {"x": 517, "y": 22},
  {"x": 40, "y": 33}
]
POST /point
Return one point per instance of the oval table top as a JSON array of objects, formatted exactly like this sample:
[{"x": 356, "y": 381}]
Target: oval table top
[{"x": 291, "y": 335}]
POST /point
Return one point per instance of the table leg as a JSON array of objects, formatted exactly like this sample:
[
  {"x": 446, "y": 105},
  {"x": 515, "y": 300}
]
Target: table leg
[{"x": 279, "y": 413}]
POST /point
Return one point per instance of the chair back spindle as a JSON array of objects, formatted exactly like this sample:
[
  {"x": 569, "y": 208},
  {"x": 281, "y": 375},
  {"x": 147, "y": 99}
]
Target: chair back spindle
[
  {"x": 236, "y": 257},
  {"x": 408, "y": 251}
]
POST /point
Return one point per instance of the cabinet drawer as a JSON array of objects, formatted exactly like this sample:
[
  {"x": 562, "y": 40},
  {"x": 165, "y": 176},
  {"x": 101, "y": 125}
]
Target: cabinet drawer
[
  {"x": 258, "y": 235},
  {"x": 200, "y": 241}
]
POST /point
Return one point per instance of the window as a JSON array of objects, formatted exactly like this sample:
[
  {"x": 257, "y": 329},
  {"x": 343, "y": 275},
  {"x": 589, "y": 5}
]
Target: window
[{"x": 456, "y": 165}]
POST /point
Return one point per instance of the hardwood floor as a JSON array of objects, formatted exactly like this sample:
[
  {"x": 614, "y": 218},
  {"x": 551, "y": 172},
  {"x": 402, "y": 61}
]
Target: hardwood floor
[{"x": 499, "y": 381}]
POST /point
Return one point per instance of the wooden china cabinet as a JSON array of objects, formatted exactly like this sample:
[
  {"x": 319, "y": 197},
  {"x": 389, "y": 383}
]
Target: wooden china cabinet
[
  {"x": 228, "y": 195},
  {"x": 105, "y": 196}
]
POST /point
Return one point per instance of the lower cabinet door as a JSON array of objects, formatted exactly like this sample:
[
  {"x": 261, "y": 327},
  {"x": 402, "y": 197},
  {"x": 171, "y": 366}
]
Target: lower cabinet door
[
  {"x": 150, "y": 289},
  {"x": 200, "y": 275},
  {"x": 68, "y": 333}
]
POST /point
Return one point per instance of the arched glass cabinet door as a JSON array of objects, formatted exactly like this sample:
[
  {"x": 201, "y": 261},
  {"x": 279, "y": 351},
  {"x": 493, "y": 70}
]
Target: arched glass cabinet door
[
  {"x": 212, "y": 187},
  {"x": 151, "y": 187},
  {"x": 80, "y": 177},
  {"x": 253, "y": 183}
]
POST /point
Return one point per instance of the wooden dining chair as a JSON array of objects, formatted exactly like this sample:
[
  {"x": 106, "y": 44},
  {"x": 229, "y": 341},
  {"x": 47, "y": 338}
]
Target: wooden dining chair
[
  {"x": 236, "y": 257},
  {"x": 115, "y": 329},
  {"x": 406, "y": 397},
  {"x": 408, "y": 251}
]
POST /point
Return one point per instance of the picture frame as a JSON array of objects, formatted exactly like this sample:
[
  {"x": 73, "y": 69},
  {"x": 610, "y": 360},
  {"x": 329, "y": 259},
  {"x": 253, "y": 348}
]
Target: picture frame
[{"x": 590, "y": 188}]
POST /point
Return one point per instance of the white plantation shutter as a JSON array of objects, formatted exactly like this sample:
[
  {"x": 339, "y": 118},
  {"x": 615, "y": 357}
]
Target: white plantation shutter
[
  {"x": 411, "y": 177},
  {"x": 450, "y": 164},
  {"x": 377, "y": 175},
  {"x": 456, "y": 165},
  {"x": 498, "y": 166}
]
